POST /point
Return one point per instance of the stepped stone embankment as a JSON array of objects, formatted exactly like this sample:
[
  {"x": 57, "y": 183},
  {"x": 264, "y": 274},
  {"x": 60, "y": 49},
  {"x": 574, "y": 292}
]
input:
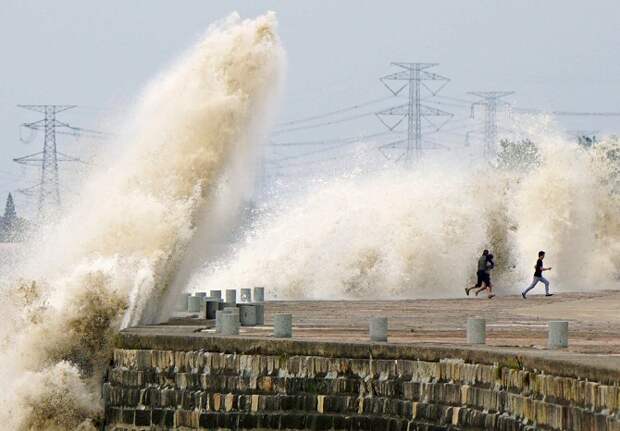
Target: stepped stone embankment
[{"x": 177, "y": 379}]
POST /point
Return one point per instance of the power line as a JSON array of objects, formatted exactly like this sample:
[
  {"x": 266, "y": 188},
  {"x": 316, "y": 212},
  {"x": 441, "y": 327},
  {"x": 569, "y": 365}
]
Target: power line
[
  {"x": 414, "y": 76},
  {"x": 456, "y": 99},
  {"x": 491, "y": 100},
  {"x": 332, "y": 113},
  {"x": 308, "y": 162},
  {"x": 326, "y": 123},
  {"x": 452, "y": 104},
  {"x": 335, "y": 146},
  {"x": 567, "y": 113},
  {"x": 304, "y": 163},
  {"x": 332, "y": 141},
  {"x": 453, "y": 129},
  {"x": 309, "y": 153},
  {"x": 587, "y": 114}
]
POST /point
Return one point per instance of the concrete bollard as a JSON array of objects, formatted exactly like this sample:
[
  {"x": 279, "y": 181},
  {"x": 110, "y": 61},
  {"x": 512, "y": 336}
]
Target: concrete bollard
[
  {"x": 218, "y": 321},
  {"x": 378, "y": 328},
  {"x": 259, "y": 294},
  {"x": 476, "y": 330},
  {"x": 218, "y": 317},
  {"x": 246, "y": 295},
  {"x": 260, "y": 313},
  {"x": 283, "y": 325},
  {"x": 225, "y": 305},
  {"x": 558, "y": 334},
  {"x": 181, "y": 304},
  {"x": 231, "y": 309},
  {"x": 247, "y": 314},
  {"x": 211, "y": 306},
  {"x": 231, "y": 296},
  {"x": 215, "y": 294},
  {"x": 229, "y": 324},
  {"x": 195, "y": 303}
]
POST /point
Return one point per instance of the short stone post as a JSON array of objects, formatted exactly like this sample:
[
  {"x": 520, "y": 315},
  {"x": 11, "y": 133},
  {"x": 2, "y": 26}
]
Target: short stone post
[
  {"x": 283, "y": 325},
  {"x": 231, "y": 296},
  {"x": 211, "y": 306},
  {"x": 218, "y": 321},
  {"x": 181, "y": 304},
  {"x": 259, "y": 294},
  {"x": 558, "y": 334},
  {"x": 194, "y": 304},
  {"x": 246, "y": 295},
  {"x": 215, "y": 294},
  {"x": 247, "y": 314},
  {"x": 260, "y": 313},
  {"x": 231, "y": 310},
  {"x": 229, "y": 323},
  {"x": 219, "y": 316},
  {"x": 476, "y": 330},
  {"x": 378, "y": 328}
]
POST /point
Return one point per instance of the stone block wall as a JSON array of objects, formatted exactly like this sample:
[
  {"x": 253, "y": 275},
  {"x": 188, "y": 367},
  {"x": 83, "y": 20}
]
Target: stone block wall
[{"x": 151, "y": 389}]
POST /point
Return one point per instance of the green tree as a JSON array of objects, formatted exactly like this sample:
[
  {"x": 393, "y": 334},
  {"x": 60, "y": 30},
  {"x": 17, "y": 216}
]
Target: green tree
[{"x": 12, "y": 227}]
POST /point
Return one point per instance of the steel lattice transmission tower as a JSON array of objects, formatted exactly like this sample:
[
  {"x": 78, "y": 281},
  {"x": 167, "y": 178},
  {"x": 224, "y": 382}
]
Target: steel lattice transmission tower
[
  {"x": 414, "y": 76},
  {"x": 48, "y": 188},
  {"x": 491, "y": 101}
]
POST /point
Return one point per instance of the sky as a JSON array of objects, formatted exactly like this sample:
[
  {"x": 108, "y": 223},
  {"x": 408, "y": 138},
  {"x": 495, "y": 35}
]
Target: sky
[{"x": 555, "y": 55}]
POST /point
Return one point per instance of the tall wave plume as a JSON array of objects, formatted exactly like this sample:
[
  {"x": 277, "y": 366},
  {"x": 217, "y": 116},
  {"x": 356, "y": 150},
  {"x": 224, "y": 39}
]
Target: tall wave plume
[
  {"x": 112, "y": 258},
  {"x": 418, "y": 233}
]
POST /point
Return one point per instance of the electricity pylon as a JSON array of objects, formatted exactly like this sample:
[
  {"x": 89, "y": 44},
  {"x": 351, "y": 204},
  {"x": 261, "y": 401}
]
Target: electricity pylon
[
  {"x": 490, "y": 102},
  {"x": 48, "y": 188},
  {"x": 414, "y": 76}
]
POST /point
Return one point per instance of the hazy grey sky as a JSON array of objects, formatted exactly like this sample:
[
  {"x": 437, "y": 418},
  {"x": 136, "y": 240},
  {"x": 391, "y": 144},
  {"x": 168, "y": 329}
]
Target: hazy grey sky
[{"x": 560, "y": 54}]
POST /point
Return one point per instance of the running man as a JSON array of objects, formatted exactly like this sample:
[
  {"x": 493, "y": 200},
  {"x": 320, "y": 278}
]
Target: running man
[
  {"x": 486, "y": 277},
  {"x": 482, "y": 267},
  {"x": 538, "y": 277}
]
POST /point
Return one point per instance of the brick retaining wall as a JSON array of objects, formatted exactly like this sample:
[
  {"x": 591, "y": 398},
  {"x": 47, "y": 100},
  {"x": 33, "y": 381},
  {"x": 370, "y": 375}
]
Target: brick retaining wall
[{"x": 178, "y": 389}]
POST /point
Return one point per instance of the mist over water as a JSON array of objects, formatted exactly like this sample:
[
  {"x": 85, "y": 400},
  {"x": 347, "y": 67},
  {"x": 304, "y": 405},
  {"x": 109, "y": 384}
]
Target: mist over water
[{"x": 112, "y": 259}]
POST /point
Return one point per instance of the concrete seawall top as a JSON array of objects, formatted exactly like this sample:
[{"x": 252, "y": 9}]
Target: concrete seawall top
[
  {"x": 428, "y": 330},
  {"x": 600, "y": 368}
]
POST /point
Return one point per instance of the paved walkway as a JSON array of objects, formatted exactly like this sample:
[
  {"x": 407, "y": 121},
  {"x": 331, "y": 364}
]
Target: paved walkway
[{"x": 594, "y": 320}]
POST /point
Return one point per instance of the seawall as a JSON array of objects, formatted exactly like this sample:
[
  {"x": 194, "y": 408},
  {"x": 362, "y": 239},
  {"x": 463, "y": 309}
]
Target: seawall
[{"x": 177, "y": 379}]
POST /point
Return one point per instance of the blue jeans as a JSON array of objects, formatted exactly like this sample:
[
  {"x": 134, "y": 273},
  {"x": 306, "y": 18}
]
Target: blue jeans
[{"x": 535, "y": 281}]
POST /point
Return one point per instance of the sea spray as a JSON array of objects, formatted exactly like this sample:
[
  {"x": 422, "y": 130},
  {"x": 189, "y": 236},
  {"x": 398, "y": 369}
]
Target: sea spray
[
  {"x": 417, "y": 233},
  {"x": 357, "y": 237},
  {"x": 113, "y": 255}
]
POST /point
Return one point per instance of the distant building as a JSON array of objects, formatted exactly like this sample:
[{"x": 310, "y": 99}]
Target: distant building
[{"x": 12, "y": 228}]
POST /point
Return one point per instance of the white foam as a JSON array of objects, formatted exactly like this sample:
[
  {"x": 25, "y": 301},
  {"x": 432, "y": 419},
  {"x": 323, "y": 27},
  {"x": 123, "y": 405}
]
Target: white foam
[
  {"x": 111, "y": 259},
  {"x": 418, "y": 233}
]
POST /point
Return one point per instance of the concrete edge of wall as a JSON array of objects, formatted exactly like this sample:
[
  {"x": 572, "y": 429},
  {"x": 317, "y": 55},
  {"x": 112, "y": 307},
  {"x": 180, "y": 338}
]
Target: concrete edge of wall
[{"x": 599, "y": 368}]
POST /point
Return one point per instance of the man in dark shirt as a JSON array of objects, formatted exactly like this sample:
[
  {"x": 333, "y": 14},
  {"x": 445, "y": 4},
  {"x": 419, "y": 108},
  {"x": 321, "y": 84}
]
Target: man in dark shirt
[
  {"x": 538, "y": 277},
  {"x": 486, "y": 277},
  {"x": 480, "y": 273}
]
